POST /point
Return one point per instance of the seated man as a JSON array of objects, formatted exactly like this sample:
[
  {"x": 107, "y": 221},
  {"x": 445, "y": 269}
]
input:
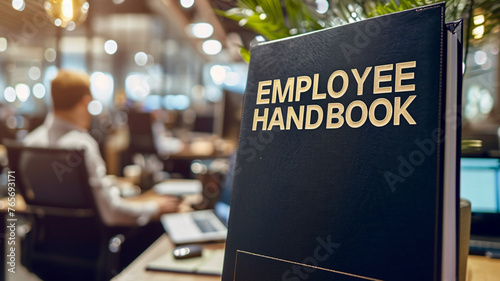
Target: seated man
[{"x": 67, "y": 127}]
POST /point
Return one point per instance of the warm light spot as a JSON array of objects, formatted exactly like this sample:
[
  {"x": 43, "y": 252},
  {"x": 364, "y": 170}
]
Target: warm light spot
[
  {"x": 218, "y": 74},
  {"x": 22, "y": 92},
  {"x": 67, "y": 9},
  {"x": 71, "y": 26},
  {"x": 479, "y": 19},
  {"x": 478, "y": 32}
]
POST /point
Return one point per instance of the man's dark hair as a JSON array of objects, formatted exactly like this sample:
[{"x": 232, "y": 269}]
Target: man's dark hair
[{"x": 68, "y": 88}]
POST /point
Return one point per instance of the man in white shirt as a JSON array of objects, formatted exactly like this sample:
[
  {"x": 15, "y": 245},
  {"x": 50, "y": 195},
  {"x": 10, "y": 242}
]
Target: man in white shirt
[{"x": 67, "y": 127}]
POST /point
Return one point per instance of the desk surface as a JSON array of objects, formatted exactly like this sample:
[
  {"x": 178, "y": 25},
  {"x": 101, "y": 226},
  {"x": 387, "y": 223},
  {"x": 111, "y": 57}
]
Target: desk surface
[
  {"x": 137, "y": 269},
  {"x": 479, "y": 268}
]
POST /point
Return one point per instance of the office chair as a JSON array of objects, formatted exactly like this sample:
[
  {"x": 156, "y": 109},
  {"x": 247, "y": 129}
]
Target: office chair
[
  {"x": 68, "y": 240},
  {"x": 142, "y": 139},
  {"x": 143, "y": 144}
]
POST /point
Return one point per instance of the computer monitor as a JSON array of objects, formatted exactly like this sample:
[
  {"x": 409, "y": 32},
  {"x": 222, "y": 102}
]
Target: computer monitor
[
  {"x": 142, "y": 139},
  {"x": 480, "y": 184},
  {"x": 203, "y": 124},
  {"x": 233, "y": 105}
]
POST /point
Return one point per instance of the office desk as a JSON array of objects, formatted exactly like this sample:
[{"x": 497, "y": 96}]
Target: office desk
[
  {"x": 137, "y": 269},
  {"x": 479, "y": 268},
  {"x": 483, "y": 269}
]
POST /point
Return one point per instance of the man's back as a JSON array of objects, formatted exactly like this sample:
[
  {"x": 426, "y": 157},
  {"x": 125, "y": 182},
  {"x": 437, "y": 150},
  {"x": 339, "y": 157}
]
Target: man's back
[{"x": 56, "y": 132}]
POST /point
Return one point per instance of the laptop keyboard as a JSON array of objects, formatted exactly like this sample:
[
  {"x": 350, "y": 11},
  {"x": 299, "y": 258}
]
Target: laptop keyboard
[
  {"x": 205, "y": 225},
  {"x": 481, "y": 246}
]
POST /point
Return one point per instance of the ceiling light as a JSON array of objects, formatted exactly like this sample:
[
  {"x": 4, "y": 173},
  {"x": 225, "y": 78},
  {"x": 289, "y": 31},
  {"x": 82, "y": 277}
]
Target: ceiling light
[
  {"x": 211, "y": 47},
  {"x": 322, "y": 6},
  {"x": 9, "y": 94},
  {"x": 479, "y": 19},
  {"x": 22, "y": 92},
  {"x": 95, "y": 107},
  {"x": 202, "y": 30},
  {"x": 187, "y": 3},
  {"x": 478, "y": 32},
  {"x": 67, "y": 13},
  {"x": 18, "y": 5},
  {"x": 136, "y": 86},
  {"x": 110, "y": 47},
  {"x": 50, "y": 55},
  {"x": 480, "y": 57},
  {"x": 67, "y": 10},
  {"x": 218, "y": 74},
  {"x": 3, "y": 44},
  {"x": 71, "y": 26},
  {"x": 39, "y": 91},
  {"x": 141, "y": 59},
  {"x": 34, "y": 73}
]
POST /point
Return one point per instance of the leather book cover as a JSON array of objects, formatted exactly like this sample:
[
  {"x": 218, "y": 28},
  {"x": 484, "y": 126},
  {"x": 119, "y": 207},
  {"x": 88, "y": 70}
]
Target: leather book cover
[{"x": 339, "y": 169}]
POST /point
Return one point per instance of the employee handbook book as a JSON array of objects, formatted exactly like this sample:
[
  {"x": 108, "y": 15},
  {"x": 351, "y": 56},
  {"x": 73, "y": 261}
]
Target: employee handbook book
[{"x": 347, "y": 161}]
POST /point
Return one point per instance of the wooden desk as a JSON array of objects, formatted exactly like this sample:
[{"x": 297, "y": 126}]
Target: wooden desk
[
  {"x": 483, "y": 269},
  {"x": 137, "y": 269},
  {"x": 479, "y": 268}
]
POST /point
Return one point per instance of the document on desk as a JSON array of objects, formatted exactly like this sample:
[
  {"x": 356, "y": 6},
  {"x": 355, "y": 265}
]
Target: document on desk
[
  {"x": 178, "y": 187},
  {"x": 210, "y": 263}
]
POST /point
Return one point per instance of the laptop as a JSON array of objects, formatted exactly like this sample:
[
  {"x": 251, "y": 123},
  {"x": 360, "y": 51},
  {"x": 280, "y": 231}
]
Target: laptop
[
  {"x": 202, "y": 226},
  {"x": 194, "y": 227},
  {"x": 480, "y": 184}
]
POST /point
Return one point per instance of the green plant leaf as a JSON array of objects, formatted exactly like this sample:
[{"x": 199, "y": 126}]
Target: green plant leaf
[
  {"x": 245, "y": 54},
  {"x": 275, "y": 19}
]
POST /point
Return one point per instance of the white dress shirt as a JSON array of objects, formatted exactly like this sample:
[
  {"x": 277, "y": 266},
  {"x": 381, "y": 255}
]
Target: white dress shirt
[{"x": 114, "y": 210}]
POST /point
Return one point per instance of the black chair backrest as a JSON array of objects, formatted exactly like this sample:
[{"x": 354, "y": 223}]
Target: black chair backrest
[
  {"x": 68, "y": 240},
  {"x": 51, "y": 177},
  {"x": 141, "y": 132}
]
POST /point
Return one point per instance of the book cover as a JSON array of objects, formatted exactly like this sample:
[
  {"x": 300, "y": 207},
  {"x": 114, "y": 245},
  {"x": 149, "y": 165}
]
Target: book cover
[{"x": 340, "y": 164}]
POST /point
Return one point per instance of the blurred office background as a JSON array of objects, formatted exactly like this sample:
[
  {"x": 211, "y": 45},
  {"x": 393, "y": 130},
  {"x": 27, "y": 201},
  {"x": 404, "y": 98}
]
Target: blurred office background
[
  {"x": 175, "y": 62},
  {"x": 175, "y": 59},
  {"x": 166, "y": 78}
]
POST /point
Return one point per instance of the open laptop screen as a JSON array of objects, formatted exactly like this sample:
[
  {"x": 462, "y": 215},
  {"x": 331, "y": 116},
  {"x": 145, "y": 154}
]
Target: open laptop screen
[{"x": 479, "y": 183}]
